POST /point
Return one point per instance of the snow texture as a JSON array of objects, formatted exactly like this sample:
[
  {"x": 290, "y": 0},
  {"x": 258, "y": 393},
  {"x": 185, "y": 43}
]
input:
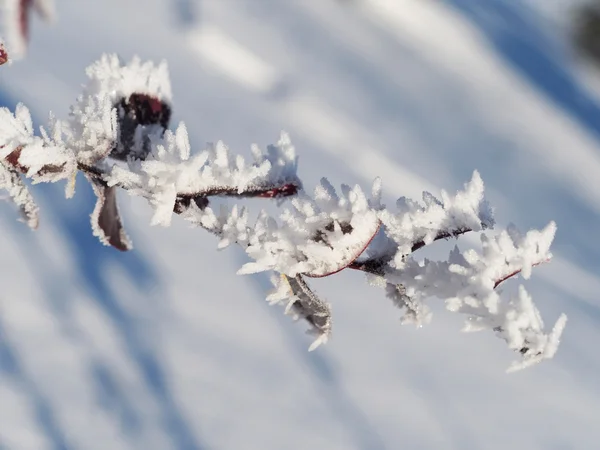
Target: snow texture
[
  {"x": 318, "y": 236},
  {"x": 93, "y": 129},
  {"x": 44, "y": 158},
  {"x": 415, "y": 225},
  {"x": 171, "y": 170},
  {"x": 111, "y": 77},
  {"x": 468, "y": 281}
]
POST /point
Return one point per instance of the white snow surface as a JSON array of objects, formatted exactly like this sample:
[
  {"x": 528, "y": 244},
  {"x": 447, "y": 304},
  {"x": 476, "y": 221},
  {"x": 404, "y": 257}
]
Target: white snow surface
[{"x": 166, "y": 347}]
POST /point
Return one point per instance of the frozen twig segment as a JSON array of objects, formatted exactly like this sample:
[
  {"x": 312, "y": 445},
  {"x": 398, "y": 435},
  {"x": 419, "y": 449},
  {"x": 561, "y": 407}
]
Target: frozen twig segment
[
  {"x": 467, "y": 280},
  {"x": 117, "y": 135},
  {"x": 415, "y": 225},
  {"x": 318, "y": 236},
  {"x": 43, "y": 159},
  {"x": 171, "y": 175}
]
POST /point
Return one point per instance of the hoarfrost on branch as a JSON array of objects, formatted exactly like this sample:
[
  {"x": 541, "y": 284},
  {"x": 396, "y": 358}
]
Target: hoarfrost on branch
[{"x": 117, "y": 134}]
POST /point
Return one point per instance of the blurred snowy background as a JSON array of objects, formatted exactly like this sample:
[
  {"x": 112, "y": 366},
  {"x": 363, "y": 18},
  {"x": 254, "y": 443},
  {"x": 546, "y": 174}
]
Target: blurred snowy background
[{"x": 166, "y": 348}]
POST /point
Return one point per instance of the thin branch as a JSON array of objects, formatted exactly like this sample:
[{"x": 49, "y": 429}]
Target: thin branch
[
  {"x": 441, "y": 235},
  {"x": 516, "y": 272},
  {"x": 360, "y": 252},
  {"x": 376, "y": 266},
  {"x": 201, "y": 198},
  {"x": 372, "y": 266}
]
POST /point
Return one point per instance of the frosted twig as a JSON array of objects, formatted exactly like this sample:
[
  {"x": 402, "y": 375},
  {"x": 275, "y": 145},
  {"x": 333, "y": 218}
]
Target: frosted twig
[{"x": 118, "y": 136}]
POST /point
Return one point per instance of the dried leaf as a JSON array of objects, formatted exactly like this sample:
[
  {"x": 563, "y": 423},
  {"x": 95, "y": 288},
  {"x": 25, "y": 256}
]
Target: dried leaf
[
  {"x": 305, "y": 304},
  {"x": 106, "y": 221}
]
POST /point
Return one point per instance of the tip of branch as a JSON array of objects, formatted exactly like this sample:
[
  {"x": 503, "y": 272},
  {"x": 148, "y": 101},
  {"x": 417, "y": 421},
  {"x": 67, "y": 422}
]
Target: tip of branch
[{"x": 547, "y": 352}]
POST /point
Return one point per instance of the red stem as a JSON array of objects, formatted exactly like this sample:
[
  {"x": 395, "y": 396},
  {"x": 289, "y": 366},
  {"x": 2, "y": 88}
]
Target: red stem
[
  {"x": 441, "y": 235},
  {"x": 375, "y": 266},
  {"x": 349, "y": 265},
  {"x": 512, "y": 274}
]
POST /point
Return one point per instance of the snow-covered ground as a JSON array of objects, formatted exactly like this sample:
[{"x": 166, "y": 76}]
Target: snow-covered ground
[{"x": 166, "y": 348}]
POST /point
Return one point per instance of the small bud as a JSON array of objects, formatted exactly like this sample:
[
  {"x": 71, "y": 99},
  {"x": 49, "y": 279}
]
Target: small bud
[{"x": 139, "y": 116}]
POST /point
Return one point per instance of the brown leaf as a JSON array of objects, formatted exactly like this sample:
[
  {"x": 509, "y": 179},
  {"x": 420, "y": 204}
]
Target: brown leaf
[
  {"x": 309, "y": 307},
  {"x": 106, "y": 221}
]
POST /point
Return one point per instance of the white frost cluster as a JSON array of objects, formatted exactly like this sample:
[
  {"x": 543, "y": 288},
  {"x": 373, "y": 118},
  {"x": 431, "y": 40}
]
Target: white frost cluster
[
  {"x": 36, "y": 153},
  {"x": 171, "y": 170},
  {"x": 327, "y": 232},
  {"x": 93, "y": 129},
  {"x": 414, "y": 223},
  {"x": 20, "y": 148},
  {"x": 318, "y": 236},
  {"x": 523, "y": 329},
  {"x": 110, "y": 77},
  {"x": 468, "y": 281}
]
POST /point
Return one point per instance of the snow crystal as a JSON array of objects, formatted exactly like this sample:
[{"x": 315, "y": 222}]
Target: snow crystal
[
  {"x": 44, "y": 159},
  {"x": 415, "y": 224},
  {"x": 171, "y": 170},
  {"x": 467, "y": 280},
  {"x": 318, "y": 236},
  {"x": 111, "y": 78}
]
